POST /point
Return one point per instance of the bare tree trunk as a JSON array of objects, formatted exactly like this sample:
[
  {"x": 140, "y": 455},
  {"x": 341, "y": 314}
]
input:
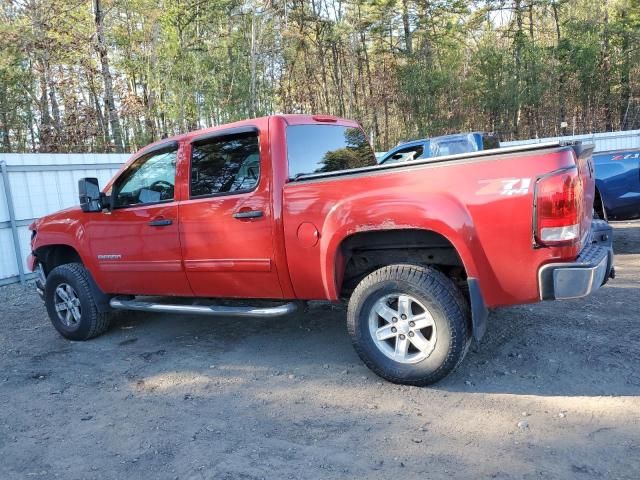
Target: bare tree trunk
[
  {"x": 408, "y": 40},
  {"x": 518, "y": 65},
  {"x": 252, "y": 100},
  {"x": 32, "y": 134},
  {"x": 44, "y": 129},
  {"x": 44, "y": 126},
  {"x": 102, "y": 127},
  {"x": 109, "y": 102},
  {"x": 55, "y": 109},
  {"x": 561, "y": 78},
  {"x": 6, "y": 142},
  {"x": 625, "y": 87},
  {"x": 373, "y": 117},
  {"x": 606, "y": 72}
]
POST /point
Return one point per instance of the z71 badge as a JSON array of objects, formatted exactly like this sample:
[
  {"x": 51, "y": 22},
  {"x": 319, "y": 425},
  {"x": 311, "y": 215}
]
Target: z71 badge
[{"x": 505, "y": 186}]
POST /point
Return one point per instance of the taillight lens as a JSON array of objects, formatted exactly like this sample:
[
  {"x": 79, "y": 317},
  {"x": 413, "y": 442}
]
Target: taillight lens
[{"x": 558, "y": 208}]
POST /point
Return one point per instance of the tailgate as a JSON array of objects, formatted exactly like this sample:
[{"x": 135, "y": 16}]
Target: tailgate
[{"x": 584, "y": 163}]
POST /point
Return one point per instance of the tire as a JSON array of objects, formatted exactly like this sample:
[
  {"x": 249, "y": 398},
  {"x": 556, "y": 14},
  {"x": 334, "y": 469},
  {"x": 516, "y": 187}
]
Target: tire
[
  {"x": 448, "y": 331},
  {"x": 599, "y": 211},
  {"x": 83, "y": 321}
]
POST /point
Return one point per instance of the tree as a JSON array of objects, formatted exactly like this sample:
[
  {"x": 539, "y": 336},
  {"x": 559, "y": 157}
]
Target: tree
[{"x": 114, "y": 76}]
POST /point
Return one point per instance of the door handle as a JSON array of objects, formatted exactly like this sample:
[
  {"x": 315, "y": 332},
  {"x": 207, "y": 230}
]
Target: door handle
[
  {"x": 248, "y": 214},
  {"x": 160, "y": 222}
]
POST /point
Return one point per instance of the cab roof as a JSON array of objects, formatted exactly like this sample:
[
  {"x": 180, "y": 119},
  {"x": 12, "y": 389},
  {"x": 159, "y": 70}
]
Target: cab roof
[{"x": 289, "y": 119}]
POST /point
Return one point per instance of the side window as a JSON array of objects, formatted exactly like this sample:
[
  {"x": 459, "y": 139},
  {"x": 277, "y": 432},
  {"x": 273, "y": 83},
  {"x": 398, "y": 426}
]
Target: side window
[
  {"x": 405, "y": 155},
  {"x": 149, "y": 179},
  {"x": 225, "y": 165}
]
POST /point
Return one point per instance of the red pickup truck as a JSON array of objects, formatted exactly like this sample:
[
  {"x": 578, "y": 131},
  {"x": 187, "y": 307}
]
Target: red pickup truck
[{"x": 279, "y": 210}]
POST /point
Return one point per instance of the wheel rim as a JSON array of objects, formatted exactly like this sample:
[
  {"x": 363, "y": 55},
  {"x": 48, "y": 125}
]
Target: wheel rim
[
  {"x": 67, "y": 305},
  {"x": 402, "y": 328}
]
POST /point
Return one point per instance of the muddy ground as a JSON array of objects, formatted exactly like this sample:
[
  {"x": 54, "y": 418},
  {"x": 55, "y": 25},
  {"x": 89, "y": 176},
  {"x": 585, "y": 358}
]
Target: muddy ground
[{"x": 553, "y": 391}]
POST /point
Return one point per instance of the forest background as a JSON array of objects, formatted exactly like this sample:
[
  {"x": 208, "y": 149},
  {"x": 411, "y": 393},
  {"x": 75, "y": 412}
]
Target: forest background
[{"x": 114, "y": 75}]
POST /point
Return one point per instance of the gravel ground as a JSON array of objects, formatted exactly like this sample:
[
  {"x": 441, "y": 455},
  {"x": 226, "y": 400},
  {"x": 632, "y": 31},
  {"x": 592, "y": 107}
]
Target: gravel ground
[{"x": 553, "y": 391}]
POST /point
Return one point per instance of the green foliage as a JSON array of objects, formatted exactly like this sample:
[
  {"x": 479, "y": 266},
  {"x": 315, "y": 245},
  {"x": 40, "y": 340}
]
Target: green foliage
[{"x": 403, "y": 68}]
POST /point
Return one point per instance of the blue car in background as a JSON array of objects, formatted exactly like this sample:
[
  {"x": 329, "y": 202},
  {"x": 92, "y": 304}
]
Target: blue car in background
[
  {"x": 440, "y": 146},
  {"x": 617, "y": 184}
]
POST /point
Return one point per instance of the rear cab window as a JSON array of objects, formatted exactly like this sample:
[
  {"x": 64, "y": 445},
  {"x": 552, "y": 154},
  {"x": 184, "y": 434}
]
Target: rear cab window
[{"x": 315, "y": 149}]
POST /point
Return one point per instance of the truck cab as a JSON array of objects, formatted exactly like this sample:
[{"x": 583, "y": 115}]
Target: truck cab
[{"x": 441, "y": 146}]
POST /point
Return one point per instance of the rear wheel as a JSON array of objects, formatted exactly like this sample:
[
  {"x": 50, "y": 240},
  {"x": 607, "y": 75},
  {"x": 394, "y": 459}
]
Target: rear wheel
[
  {"x": 598, "y": 208},
  {"x": 70, "y": 303},
  {"x": 409, "y": 324}
]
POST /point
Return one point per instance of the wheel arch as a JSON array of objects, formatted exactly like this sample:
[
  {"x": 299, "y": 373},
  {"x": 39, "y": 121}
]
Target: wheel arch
[
  {"x": 440, "y": 217},
  {"x": 54, "y": 255},
  {"x": 365, "y": 251},
  {"x": 598, "y": 202}
]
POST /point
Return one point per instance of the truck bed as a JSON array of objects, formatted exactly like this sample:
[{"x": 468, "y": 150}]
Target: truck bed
[{"x": 480, "y": 155}]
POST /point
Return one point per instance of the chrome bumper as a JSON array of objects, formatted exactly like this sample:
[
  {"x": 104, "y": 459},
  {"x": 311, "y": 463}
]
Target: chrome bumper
[{"x": 591, "y": 270}]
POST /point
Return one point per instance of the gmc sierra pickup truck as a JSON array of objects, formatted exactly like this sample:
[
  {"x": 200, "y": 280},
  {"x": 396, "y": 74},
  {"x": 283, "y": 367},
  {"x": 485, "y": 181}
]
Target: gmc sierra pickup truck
[{"x": 275, "y": 211}]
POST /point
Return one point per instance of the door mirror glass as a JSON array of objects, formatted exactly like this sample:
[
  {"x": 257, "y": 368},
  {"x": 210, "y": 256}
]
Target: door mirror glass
[{"x": 89, "y": 193}]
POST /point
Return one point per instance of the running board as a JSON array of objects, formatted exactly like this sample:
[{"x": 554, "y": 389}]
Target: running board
[{"x": 124, "y": 303}]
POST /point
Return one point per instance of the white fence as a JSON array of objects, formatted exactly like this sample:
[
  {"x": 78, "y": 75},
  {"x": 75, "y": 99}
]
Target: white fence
[
  {"x": 34, "y": 185},
  {"x": 602, "y": 141}
]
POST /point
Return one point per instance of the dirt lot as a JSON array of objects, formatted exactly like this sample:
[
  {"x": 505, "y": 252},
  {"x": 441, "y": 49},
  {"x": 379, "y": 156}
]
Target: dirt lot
[{"x": 553, "y": 391}]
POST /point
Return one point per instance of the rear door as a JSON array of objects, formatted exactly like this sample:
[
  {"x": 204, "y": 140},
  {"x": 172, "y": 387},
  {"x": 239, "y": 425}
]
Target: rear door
[{"x": 226, "y": 222}]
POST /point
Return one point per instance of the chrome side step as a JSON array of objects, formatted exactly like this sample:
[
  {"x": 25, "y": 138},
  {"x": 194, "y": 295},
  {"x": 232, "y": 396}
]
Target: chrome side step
[{"x": 124, "y": 303}]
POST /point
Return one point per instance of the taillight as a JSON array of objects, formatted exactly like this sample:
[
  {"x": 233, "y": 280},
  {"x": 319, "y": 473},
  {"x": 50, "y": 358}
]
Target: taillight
[{"x": 559, "y": 208}]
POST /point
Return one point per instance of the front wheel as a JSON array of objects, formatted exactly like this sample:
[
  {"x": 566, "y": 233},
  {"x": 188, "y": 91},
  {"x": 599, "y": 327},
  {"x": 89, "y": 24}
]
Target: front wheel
[
  {"x": 70, "y": 303},
  {"x": 409, "y": 324}
]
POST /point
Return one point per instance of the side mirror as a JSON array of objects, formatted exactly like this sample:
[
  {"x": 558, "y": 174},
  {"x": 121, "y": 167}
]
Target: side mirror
[{"x": 90, "y": 195}]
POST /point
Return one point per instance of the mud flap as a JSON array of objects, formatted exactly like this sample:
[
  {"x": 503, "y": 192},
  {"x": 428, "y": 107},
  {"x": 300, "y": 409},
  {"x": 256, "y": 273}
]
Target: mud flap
[
  {"x": 101, "y": 298},
  {"x": 479, "y": 312}
]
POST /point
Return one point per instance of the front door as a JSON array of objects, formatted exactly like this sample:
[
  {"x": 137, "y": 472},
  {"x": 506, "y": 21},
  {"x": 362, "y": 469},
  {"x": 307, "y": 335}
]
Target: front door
[
  {"x": 226, "y": 224},
  {"x": 137, "y": 243}
]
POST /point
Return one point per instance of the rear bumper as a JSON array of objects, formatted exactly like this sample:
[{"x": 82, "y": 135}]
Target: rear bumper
[{"x": 591, "y": 270}]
